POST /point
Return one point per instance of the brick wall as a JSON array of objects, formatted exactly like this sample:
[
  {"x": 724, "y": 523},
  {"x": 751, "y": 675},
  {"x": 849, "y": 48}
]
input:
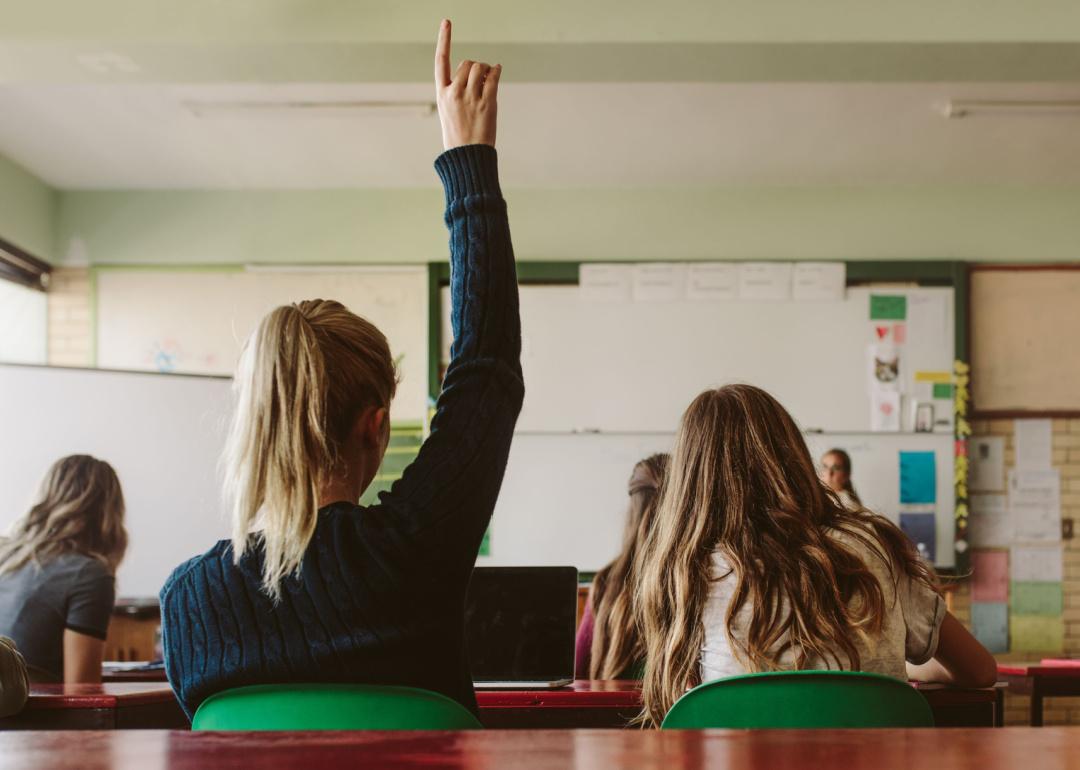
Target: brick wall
[
  {"x": 1066, "y": 458},
  {"x": 69, "y": 332}
]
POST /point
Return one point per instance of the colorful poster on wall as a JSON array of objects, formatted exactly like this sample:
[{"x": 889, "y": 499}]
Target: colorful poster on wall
[
  {"x": 921, "y": 529},
  {"x": 990, "y": 625},
  {"x": 918, "y": 478},
  {"x": 888, "y": 307}
]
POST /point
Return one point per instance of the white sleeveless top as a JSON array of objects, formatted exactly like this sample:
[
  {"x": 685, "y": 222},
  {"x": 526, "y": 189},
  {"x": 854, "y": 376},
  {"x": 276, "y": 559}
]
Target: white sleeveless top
[{"x": 910, "y": 631}]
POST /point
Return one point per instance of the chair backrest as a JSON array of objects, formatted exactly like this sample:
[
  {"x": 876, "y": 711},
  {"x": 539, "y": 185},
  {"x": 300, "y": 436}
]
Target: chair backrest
[
  {"x": 331, "y": 707},
  {"x": 801, "y": 699}
]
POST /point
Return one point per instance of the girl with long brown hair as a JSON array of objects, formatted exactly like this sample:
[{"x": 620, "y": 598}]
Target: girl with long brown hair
[
  {"x": 608, "y": 645},
  {"x": 754, "y": 565},
  {"x": 57, "y": 570}
]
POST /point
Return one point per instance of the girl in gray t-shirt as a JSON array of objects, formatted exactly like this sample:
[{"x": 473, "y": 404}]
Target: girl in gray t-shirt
[
  {"x": 57, "y": 568},
  {"x": 754, "y": 565}
]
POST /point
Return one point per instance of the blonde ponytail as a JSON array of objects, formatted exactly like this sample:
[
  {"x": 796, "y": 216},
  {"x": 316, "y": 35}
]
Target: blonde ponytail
[{"x": 304, "y": 376}]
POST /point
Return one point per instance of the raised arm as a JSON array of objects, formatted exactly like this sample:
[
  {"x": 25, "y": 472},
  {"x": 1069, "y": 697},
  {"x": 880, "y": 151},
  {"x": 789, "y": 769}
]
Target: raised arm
[{"x": 445, "y": 498}]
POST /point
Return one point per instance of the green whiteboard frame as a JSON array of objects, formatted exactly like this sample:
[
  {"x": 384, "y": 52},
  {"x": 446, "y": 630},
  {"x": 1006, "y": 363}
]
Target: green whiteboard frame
[{"x": 941, "y": 273}]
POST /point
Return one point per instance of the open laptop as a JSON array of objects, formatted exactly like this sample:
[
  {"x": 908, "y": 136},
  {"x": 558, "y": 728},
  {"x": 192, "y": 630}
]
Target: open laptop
[{"x": 520, "y": 625}]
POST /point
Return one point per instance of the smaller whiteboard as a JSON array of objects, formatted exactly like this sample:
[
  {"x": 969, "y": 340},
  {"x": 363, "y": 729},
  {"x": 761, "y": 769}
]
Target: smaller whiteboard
[{"x": 196, "y": 321}]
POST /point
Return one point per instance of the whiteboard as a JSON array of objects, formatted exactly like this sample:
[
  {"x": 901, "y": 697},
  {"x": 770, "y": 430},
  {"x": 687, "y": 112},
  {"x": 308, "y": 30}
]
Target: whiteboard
[
  {"x": 186, "y": 321},
  {"x": 564, "y": 497},
  {"x": 163, "y": 434},
  {"x": 635, "y": 366},
  {"x": 22, "y": 324}
]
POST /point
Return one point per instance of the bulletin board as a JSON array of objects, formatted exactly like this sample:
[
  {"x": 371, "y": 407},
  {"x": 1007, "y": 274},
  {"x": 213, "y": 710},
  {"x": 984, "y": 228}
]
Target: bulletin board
[{"x": 1025, "y": 352}]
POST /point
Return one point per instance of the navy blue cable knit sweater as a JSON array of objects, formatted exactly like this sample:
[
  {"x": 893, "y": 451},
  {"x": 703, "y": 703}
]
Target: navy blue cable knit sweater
[{"x": 381, "y": 593}]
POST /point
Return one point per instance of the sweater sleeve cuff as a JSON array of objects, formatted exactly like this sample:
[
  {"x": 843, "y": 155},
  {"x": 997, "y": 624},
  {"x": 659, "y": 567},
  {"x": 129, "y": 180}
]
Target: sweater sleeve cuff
[{"x": 472, "y": 169}]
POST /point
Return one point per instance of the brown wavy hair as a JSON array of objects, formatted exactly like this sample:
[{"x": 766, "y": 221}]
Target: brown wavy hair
[
  {"x": 616, "y": 644},
  {"x": 742, "y": 481},
  {"x": 81, "y": 510}
]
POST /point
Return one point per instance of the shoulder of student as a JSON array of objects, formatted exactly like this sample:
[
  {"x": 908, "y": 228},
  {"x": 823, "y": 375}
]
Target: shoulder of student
[{"x": 222, "y": 549}]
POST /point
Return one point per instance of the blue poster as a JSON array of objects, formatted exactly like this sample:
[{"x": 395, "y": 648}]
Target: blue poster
[
  {"x": 921, "y": 529},
  {"x": 918, "y": 478}
]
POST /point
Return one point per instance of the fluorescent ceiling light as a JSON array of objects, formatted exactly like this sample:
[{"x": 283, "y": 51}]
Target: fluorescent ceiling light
[
  {"x": 320, "y": 109},
  {"x": 1048, "y": 108}
]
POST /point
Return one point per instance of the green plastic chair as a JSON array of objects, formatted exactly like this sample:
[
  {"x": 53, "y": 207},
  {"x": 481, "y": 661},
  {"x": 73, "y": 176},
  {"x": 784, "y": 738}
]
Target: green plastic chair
[
  {"x": 801, "y": 699},
  {"x": 331, "y": 707}
]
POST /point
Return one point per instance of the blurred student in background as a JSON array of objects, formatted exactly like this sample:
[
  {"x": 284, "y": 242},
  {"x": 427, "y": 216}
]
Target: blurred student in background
[
  {"x": 608, "y": 645},
  {"x": 57, "y": 571},
  {"x": 836, "y": 474}
]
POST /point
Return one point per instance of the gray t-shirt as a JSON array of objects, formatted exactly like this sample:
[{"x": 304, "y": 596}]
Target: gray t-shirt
[
  {"x": 913, "y": 615},
  {"x": 38, "y": 602}
]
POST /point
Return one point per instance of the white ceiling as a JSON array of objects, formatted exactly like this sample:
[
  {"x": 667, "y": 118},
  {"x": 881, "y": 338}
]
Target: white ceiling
[{"x": 578, "y": 135}]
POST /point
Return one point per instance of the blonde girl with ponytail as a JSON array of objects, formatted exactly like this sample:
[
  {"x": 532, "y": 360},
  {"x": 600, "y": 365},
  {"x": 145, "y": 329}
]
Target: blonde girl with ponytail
[
  {"x": 313, "y": 587},
  {"x": 754, "y": 565}
]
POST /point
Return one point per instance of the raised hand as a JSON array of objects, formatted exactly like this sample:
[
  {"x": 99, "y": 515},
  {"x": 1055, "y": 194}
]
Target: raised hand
[{"x": 467, "y": 102}]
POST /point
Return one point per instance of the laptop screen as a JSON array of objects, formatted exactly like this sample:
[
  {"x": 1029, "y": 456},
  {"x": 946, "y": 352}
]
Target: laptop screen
[{"x": 520, "y": 623}]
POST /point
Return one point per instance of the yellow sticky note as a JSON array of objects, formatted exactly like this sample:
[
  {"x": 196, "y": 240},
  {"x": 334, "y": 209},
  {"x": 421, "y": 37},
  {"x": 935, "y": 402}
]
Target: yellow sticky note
[
  {"x": 943, "y": 377},
  {"x": 1036, "y": 633}
]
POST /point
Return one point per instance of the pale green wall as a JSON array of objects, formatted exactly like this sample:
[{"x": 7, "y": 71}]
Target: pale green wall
[
  {"x": 971, "y": 223},
  {"x": 27, "y": 210}
]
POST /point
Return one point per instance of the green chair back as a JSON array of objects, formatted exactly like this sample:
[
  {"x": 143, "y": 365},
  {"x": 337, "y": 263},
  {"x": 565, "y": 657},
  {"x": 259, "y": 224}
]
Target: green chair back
[
  {"x": 331, "y": 707},
  {"x": 801, "y": 699}
]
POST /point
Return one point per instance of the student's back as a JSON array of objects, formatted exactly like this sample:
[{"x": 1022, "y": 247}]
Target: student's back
[
  {"x": 912, "y": 616},
  {"x": 754, "y": 565},
  {"x": 328, "y": 590},
  {"x": 56, "y": 571},
  {"x": 38, "y": 602}
]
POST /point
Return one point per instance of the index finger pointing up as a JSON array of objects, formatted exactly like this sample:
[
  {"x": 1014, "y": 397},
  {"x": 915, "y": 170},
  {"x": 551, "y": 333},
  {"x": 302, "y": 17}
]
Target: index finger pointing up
[{"x": 442, "y": 55}]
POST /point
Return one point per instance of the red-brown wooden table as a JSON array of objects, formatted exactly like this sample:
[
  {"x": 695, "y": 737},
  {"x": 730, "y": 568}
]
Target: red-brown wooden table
[
  {"x": 598, "y": 704},
  {"x": 1041, "y": 680},
  {"x": 1052, "y": 748}
]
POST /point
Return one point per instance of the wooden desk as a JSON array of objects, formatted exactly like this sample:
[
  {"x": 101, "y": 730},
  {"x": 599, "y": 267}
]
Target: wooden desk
[
  {"x": 138, "y": 675},
  {"x": 1040, "y": 681},
  {"x": 1051, "y": 748},
  {"x": 615, "y": 703},
  {"x": 596, "y": 704},
  {"x": 129, "y": 705}
]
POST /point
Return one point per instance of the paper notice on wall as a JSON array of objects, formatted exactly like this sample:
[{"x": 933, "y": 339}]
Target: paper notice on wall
[
  {"x": 1033, "y": 444},
  {"x": 606, "y": 282},
  {"x": 986, "y": 464},
  {"x": 927, "y": 319},
  {"x": 885, "y": 411},
  {"x": 888, "y": 307},
  {"x": 886, "y": 367},
  {"x": 765, "y": 280},
  {"x": 1035, "y": 505},
  {"x": 712, "y": 281},
  {"x": 821, "y": 281},
  {"x": 990, "y": 576},
  {"x": 989, "y": 524},
  {"x": 1031, "y": 598},
  {"x": 659, "y": 282},
  {"x": 990, "y": 625},
  {"x": 1036, "y": 633},
  {"x": 1038, "y": 563}
]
